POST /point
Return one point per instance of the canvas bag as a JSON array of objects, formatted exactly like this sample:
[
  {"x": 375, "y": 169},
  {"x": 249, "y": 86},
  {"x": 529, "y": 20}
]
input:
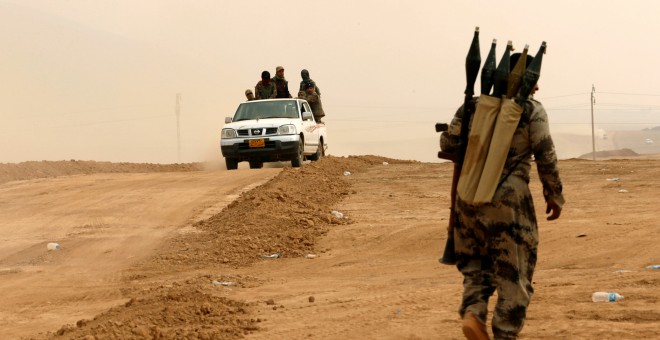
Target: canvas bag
[
  {"x": 505, "y": 127},
  {"x": 479, "y": 140}
]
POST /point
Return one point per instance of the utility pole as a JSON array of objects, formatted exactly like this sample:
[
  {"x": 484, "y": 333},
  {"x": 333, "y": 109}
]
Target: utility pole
[
  {"x": 593, "y": 138},
  {"x": 178, "y": 129}
]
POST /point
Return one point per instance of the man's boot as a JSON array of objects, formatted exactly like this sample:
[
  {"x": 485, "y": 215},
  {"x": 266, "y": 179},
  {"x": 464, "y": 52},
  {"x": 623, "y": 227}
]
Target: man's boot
[{"x": 473, "y": 328}]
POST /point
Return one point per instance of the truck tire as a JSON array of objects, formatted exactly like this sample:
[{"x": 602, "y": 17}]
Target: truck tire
[
  {"x": 297, "y": 161},
  {"x": 320, "y": 152},
  {"x": 231, "y": 163},
  {"x": 256, "y": 164}
]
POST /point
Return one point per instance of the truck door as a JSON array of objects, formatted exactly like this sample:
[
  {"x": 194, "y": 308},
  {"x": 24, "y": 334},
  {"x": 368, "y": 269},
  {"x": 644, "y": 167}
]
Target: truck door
[{"x": 310, "y": 130}]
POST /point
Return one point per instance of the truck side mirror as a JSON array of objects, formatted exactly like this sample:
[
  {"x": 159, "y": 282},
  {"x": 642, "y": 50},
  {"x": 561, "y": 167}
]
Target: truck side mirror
[
  {"x": 307, "y": 115},
  {"x": 228, "y": 120}
]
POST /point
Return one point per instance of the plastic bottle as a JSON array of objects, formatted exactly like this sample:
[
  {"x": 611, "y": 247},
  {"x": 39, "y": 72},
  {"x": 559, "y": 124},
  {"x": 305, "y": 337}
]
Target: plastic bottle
[
  {"x": 606, "y": 297},
  {"x": 655, "y": 266},
  {"x": 53, "y": 246}
]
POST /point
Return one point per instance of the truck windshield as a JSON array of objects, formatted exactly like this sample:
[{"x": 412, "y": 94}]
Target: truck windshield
[{"x": 257, "y": 109}]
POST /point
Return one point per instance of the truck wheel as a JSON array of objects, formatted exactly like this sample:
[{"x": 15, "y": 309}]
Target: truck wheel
[
  {"x": 298, "y": 160},
  {"x": 320, "y": 152},
  {"x": 256, "y": 164},
  {"x": 231, "y": 163}
]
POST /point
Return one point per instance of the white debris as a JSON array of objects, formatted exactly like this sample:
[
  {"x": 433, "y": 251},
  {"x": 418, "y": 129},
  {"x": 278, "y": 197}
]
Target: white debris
[
  {"x": 53, "y": 246},
  {"x": 222, "y": 283}
]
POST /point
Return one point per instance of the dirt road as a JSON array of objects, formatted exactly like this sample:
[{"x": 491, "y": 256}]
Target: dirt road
[
  {"x": 375, "y": 273},
  {"x": 104, "y": 224}
]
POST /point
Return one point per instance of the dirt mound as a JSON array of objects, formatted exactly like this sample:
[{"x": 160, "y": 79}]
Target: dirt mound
[
  {"x": 284, "y": 216},
  {"x": 621, "y": 153},
  {"x": 31, "y": 170},
  {"x": 185, "y": 310}
]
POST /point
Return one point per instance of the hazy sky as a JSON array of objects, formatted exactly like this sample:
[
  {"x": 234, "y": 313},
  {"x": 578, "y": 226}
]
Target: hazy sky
[{"x": 97, "y": 80}]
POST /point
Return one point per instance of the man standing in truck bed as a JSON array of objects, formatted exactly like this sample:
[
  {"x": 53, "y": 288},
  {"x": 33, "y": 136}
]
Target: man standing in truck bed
[
  {"x": 265, "y": 88},
  {"x": 281, "y": 83}
]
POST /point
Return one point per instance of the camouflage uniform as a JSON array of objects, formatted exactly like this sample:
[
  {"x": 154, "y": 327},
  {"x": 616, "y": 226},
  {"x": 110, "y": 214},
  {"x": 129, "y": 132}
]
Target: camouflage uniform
[
  {"x": 496, "y": 243},
  {"x": 314, "y": 101},
  {"x": 262, "y": 91}
]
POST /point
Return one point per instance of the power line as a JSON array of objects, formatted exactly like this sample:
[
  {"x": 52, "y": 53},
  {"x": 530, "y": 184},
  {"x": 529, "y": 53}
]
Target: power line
[
  {"x": 654, "y": 107},
  {"x": 566, "y": 95},
  {"x": 632, "y": 94},
  {"x": 566, "y": 106}
]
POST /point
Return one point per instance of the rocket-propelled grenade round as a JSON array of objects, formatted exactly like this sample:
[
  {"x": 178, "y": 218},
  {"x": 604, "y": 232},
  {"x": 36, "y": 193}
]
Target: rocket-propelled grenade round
[
  {"x": 502, "y": 72},
  {"x": 488, "y": 71},
  {"x": 472, "y": 63},
  {"x": 516, "y": 75},
  {"x": 532, "y": 74}
]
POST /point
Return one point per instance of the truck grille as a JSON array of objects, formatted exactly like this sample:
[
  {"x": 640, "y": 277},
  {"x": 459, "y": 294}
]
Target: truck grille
[{"x": 257, "y": 132}]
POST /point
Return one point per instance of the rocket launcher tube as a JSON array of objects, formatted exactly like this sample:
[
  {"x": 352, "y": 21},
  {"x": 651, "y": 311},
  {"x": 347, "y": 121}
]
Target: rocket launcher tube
[{"x": 472, "y": 64}]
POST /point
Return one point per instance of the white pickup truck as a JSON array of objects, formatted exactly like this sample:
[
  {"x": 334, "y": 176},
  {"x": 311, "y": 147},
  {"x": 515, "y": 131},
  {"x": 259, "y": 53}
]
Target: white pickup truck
[{"x": 272, "y": 130}]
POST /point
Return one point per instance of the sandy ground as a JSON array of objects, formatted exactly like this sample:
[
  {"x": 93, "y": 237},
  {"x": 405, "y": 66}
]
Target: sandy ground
[{"x": 178, "y": 254}]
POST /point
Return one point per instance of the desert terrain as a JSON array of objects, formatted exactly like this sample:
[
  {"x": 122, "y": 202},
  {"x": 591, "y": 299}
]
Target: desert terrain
[{"x": 182, "y": 251}]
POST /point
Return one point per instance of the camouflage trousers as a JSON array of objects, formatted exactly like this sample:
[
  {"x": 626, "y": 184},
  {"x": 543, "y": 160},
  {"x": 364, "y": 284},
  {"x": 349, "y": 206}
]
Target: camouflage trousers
[{"x": 496, "y": 249}]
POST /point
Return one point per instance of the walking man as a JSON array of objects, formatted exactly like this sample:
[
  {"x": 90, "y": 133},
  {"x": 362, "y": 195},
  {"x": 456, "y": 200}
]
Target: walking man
[{"x": 496, "y": 243}]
